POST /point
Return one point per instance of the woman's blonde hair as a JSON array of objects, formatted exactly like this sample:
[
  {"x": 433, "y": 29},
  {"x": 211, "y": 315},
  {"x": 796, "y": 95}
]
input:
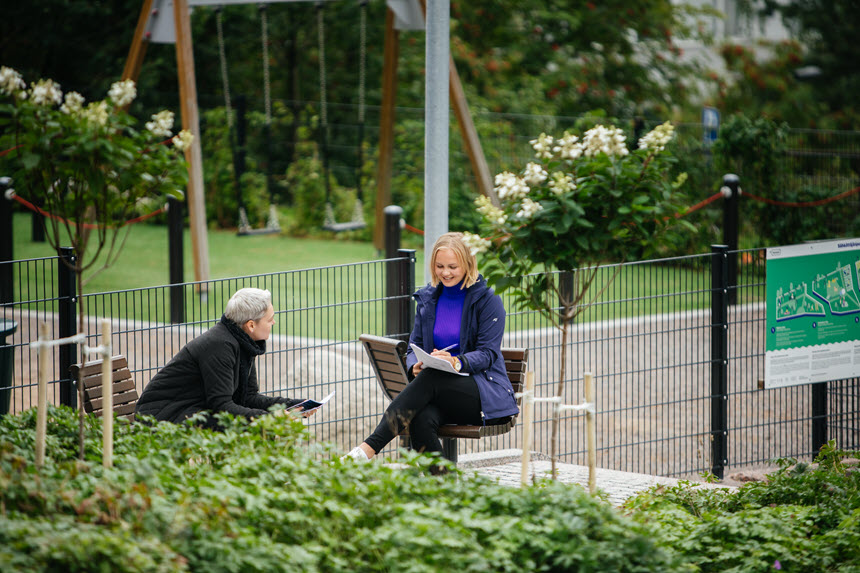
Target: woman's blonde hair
[{"x": 454, "y": 242}]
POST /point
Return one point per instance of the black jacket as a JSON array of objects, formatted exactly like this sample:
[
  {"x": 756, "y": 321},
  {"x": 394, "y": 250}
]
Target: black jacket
[{"x": 205, "y": 375}]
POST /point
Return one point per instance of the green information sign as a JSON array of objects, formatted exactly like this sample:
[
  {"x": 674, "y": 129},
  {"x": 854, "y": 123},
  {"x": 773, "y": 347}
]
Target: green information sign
[{"x": 813, "y": 313}]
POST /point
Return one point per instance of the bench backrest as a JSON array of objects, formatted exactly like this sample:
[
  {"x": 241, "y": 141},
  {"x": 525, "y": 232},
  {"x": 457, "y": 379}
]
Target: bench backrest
[
  {"x": 124, "y": 389},
  {"x": 388, "y": 355}
]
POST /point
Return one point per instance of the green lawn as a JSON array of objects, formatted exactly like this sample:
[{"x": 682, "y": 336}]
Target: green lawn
[
  {"x": 316, "y": 303},
  {"x": 144, "y": 260}
]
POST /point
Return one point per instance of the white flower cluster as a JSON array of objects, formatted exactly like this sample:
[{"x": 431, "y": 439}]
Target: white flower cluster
[
  {"x": 510, "y": 187},
  {"x": 534, "y": 174},
  {"x": 658, "y": 138},
  {"x": 73, "y": 104},
  {"x": 183, "y": 140},
  {"x": 569, "y": 147},
  {"x": 528, "y": 208},
  {"x": 490, "y": 212},
  {"x": 161, "y": 124},
  {"x": 11, "y": 82},
  {"x": 123, "y": 92},
  {"x": 97, "y": 113},
  {"x": 476, "y": 244},
  {"x": 542, "y": 146},
  {"x": 608, "y": 140},
  {"x": 561, "y": 183},
  {"x": 46, "y": 92}
]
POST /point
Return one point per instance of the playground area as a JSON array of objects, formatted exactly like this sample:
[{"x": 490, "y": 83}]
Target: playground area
[{"x": 653, "y": 371}]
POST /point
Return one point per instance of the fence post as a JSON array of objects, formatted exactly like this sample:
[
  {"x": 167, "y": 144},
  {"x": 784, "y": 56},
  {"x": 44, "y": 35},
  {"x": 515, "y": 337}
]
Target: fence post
[
  {"x": 730, "y": 231},
  {"x": 819, "y": 416},
  {"x": 176, "y": 260},
  {"x": 7, "y": 292},
  {"x": 391, "y": 238},
  {"x": 719, "y": 359},
  {"x": 405, "y": 289},
  {"x": 401, "y": 284},
  {"x": 67, "y": 301}
]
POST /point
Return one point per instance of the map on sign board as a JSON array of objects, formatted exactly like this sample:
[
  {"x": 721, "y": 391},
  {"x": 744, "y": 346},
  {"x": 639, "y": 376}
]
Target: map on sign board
[{"x": 813, "y": 313}]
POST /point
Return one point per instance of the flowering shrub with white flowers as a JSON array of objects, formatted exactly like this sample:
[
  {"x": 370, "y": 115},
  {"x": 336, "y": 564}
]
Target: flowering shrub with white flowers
[
  {"x": 582, "y": 202},
  {"x": 86, "y": 165}
]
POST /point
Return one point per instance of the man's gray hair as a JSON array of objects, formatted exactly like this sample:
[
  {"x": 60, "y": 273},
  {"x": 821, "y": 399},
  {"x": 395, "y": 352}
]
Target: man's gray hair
[{"x": 248, "y": 304}]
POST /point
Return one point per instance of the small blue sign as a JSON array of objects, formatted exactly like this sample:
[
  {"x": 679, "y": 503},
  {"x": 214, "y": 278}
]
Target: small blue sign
[{"x": 710, "y": 124}]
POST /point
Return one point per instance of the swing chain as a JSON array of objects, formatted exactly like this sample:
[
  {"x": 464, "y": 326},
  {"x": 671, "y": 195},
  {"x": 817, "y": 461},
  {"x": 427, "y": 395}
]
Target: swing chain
[
  {"x": 362, "y": 57},
  {"x": 267, "y": 99},
  {"x": 321, "y": 36},
  {"x": 222, "y": 55}
]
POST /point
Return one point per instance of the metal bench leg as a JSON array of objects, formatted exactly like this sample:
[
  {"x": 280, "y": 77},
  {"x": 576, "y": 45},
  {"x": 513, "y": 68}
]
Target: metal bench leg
[
  {"x": 406, "y": 442},
  {"x": 449, "y": 449}
]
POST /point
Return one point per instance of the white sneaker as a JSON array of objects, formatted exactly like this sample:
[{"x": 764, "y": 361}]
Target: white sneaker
[{"x": 356, "y": 453}]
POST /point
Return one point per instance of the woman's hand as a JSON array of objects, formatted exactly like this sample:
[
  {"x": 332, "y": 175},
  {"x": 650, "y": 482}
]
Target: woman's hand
[
  {"x": 444, "y": 354},
  {"x": 416, "y": 369}
]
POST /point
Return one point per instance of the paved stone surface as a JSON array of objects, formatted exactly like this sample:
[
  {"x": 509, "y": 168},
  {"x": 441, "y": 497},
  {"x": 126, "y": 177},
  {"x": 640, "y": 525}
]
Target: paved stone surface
[{"x": 617, "y": 485}]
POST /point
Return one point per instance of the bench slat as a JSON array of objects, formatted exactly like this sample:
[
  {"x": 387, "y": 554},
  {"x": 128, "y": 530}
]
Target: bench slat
[
  {"x": 95, "y": 366},
  {"x": 125, "y": 385},
  {"x": 121, "y": 405},
  {"x": 94, "y": 381}
]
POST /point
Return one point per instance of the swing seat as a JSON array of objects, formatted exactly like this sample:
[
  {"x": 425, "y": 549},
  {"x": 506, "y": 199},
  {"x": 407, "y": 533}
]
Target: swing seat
[
  {"x": 272, "y": 226},
  {"x": 348, "y": 226},
  {"x": 356, "y": 224},
  {"x": 246, "y": 232}
]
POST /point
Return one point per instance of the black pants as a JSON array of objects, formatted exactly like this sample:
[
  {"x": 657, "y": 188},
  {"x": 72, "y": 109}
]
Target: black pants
[{"x": 432, "y": 399}]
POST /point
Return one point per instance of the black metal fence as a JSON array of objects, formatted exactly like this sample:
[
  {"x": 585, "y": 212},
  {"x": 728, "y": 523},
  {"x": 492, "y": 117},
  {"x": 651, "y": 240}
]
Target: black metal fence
[{"x": 677, "y": 352}]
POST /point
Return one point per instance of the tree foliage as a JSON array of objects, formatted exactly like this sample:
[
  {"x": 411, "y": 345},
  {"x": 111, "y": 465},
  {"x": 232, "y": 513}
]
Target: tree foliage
[
  {"x": 823, "y": 77},
  {"x": 533, "y": 57},
  {"x": 585, "y": 201},
  {"x": 87, "y": 163}
]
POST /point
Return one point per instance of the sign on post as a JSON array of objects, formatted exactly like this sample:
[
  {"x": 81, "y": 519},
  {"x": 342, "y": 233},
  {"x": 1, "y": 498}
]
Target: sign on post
[
  {"x": 710, "y": 124},
  {"x": 813, "y": 313}
]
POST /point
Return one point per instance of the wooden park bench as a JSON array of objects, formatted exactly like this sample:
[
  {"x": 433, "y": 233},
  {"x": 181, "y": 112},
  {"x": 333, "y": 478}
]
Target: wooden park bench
[
  {"x": 124, "y": 389},
  {"x": 388, "y": 358}
]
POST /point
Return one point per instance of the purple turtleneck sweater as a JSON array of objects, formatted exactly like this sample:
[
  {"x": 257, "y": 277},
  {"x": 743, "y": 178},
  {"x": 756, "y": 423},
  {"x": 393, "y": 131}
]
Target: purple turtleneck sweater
[{"x": 449, "y": 312}]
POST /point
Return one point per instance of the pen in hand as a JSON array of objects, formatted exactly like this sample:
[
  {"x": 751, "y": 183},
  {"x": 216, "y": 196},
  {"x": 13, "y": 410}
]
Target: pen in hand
[{"x": 455, "y": 345}]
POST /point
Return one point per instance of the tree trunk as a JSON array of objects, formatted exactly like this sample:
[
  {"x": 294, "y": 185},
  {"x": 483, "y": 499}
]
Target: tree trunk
[
  {"x": 79, "y": 273},
  {"x": 558, "y": 393}
]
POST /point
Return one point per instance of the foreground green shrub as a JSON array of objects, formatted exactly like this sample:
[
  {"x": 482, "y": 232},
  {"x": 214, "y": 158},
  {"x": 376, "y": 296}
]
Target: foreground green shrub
[
  {"x": 803, "y": 518},
  {"x": 257, "y": 498}
]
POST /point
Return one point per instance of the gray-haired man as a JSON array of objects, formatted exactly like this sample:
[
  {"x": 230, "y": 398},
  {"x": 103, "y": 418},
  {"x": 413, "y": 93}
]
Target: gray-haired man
[{"x": 216, "y": 371}]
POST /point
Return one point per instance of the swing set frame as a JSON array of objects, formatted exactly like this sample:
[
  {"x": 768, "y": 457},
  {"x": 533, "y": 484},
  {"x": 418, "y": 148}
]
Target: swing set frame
[{"x": 181, "y": 24}]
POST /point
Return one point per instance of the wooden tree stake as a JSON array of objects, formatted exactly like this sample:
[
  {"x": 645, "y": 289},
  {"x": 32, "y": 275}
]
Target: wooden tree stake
[
  {"x": 107, "y": 397},
  {"x": 528, "y": 415},
  {"x": 45, "y": 351},
  {"x": 589, "y": 432}
]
